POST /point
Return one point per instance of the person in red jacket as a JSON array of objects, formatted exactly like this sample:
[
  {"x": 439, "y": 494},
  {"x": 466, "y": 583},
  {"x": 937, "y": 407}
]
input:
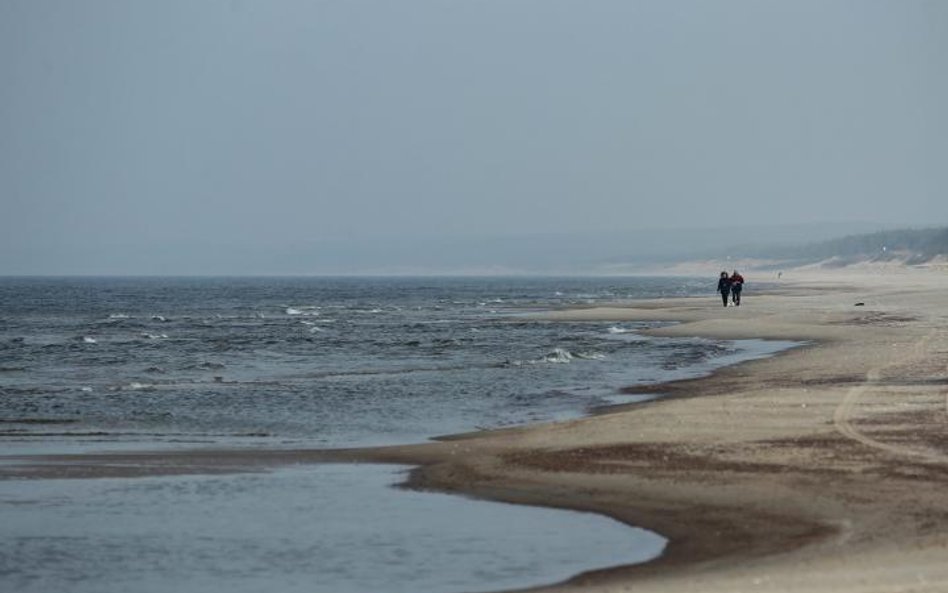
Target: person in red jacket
[{"x": 737, "y": 284}]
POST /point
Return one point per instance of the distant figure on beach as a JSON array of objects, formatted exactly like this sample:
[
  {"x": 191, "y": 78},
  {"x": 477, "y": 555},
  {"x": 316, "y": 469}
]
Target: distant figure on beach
[
  {"x": 724, "y": 287},
  {"x": 737, "y": 284}
]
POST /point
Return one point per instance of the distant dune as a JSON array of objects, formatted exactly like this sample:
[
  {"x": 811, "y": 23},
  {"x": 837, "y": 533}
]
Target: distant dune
[{"x": 878, "y": 250}]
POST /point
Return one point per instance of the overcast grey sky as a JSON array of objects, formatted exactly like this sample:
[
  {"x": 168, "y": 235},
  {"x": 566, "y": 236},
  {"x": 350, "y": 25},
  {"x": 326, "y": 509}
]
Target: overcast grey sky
[{"x": 136, "y": 134}]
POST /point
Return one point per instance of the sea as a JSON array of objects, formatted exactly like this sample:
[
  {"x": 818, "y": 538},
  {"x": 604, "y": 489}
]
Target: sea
[{"x": 117, "y": 364}]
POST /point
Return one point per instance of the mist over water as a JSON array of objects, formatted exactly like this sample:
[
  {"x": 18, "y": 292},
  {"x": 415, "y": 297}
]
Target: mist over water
[{"x": 288, "y": 137}]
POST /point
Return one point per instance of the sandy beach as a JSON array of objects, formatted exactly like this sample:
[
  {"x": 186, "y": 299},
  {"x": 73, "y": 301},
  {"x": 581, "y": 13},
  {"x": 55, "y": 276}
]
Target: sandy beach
[{"x": 824, "y": 468}]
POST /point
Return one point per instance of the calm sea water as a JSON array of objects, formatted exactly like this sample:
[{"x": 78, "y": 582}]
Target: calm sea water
[
  {"x": 323, "y": 529},
  {"x": 102, "y": 364}
]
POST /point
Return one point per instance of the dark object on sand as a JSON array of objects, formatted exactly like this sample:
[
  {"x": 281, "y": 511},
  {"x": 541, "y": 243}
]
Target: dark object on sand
[
  {"x": 859, "y": 305},
  {"x": 724, "y": 287},
  {"x": 737, "y": 284}
]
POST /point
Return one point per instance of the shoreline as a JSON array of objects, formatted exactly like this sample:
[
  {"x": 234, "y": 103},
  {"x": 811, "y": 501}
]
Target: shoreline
[
  {"x": 821, "y": 468},
  {"x": 831, "y": 458}
]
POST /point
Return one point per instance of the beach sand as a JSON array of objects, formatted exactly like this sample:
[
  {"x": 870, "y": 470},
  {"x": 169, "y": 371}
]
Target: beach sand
[{"x": 824, "y": 468}]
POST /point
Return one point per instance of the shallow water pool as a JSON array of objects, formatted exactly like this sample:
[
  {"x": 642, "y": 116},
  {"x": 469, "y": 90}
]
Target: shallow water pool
[{"x": 292, "y": 530}]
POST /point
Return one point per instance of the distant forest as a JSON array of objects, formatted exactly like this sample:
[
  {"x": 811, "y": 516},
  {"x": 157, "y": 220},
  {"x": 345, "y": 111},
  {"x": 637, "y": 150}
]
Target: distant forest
[{"x": 914, "y": 246}]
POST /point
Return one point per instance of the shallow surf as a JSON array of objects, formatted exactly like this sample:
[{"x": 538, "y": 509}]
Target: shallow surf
[{"x": 309, "y": 363}]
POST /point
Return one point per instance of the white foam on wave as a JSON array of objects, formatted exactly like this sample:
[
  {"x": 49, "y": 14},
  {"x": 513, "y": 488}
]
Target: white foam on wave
[
  {"x": 589, "y": 355},
  {"x": 302, "y": 311},
  {"x": 628, "y": 334},
  {"x": 559, "y": 355},
  {"x": 119, "y": 316},
  {"x": 89, "y": 340},
  {"x": 148, "y": 336},
  {"x": 490, "y": 302}
]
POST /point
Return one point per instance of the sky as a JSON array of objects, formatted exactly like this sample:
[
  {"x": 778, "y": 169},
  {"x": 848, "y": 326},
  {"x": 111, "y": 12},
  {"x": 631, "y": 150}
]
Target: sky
[{"x": 317, "y": 136}]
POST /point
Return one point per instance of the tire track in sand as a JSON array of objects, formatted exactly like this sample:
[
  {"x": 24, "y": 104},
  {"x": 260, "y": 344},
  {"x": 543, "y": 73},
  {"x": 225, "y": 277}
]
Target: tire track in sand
[{"x": 844, "y": 412}]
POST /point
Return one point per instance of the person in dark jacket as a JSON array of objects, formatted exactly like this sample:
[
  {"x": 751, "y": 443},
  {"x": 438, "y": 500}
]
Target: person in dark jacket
[
  {"x": 724, "y": 287},
  {"x": 737, "y": 284}
]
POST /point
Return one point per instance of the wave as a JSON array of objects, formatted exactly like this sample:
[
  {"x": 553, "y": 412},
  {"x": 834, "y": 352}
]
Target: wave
[
  {"x": 21, "y": 433},
  {"x": 38, "y": 420},
  {"x": 558, "y": 356},
  {"x": 30, "y": 433},
  {"x": 308, "y": 311},
  {"x": 148, "y": 336},
  {"x": 207, "y": 366},
  {"x": 628, "y": 334}
]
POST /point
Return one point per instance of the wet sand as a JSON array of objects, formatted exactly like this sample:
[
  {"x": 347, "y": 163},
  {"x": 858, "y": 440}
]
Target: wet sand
[{"x": 822, "y": 469}]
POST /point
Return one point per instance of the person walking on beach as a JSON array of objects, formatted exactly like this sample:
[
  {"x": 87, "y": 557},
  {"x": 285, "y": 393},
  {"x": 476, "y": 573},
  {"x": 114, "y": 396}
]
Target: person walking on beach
[
  {"x": 724, "y": 287},
  {"x": 737, "y": 284}
]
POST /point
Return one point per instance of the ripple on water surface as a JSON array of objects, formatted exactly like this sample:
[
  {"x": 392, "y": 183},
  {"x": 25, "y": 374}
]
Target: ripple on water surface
[{"x": 292, "y": 530}]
